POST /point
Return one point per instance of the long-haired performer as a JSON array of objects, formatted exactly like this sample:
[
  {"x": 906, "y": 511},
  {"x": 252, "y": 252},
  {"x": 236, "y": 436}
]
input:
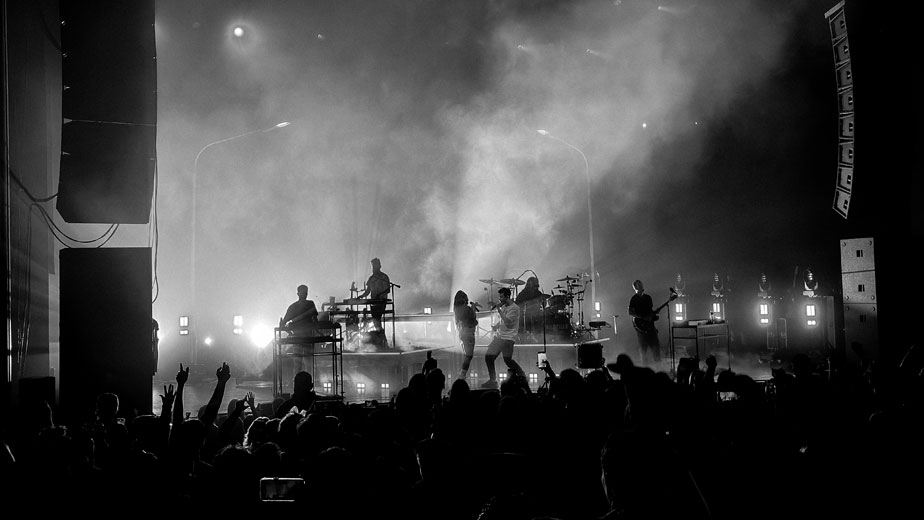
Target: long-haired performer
[{"x": 466, "y": 322}]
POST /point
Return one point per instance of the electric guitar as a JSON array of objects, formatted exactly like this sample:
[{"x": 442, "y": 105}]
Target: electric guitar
[{"x": 643, "y": 325}]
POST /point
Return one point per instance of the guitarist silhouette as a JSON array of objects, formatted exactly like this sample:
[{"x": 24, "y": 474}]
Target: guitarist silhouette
[{"x": 643, "y": 318}]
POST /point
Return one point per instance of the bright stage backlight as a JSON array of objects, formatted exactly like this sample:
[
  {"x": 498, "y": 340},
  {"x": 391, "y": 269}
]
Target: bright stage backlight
[
  {"x": 260, "y": 334},
  {"x": 208, "y": 341},
  {"x": 238, "y": 31}
]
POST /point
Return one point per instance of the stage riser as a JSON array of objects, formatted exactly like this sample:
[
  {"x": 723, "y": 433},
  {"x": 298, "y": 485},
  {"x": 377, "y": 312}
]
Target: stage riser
[{"x": 365, "y": 373}]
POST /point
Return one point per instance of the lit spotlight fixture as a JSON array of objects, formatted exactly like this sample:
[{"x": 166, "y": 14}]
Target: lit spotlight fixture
[
  {"x": 717, "y": 310},
  {"x": 238, "y": 31},
  {"x": 679, "y": 308},
  {"x": 763, "y": 309},
  {"x": 428, "y": 310},
  {"x": 644, "y": 124},
  {"x": 764, "y": 301},
  {"x": 237, "y": 324},
  {"x": 208, "y": 341},
  {"x": 811, "y": 315},
  {"x": 184, "y": 325}
]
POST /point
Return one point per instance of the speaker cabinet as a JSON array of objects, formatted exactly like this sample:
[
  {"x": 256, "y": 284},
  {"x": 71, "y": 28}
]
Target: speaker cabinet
[
  {"x": 109, "y": 106},
  {"x": 105, "y": 324},
  {"x": 858, "y": 284}
]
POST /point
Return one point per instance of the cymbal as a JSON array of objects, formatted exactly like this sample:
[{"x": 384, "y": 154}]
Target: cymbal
[
  {"x": 512, "y": 281},
  {"x": 488, "y": 281},
  {"x": 567, "y": 279}
]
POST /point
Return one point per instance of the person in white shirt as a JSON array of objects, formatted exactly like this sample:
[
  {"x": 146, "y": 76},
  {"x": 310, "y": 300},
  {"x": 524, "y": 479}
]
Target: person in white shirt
[{"x": 505, "y": 332}]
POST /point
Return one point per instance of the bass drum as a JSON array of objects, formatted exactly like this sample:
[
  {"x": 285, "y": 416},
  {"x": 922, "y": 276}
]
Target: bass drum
[
  {"x": 558, "y": 327},
  {"x": 557, "y": 305}
]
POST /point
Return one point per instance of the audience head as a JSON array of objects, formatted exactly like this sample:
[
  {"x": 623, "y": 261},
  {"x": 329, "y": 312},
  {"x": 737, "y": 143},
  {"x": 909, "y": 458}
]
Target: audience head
[{"x": 107, "y": 406}]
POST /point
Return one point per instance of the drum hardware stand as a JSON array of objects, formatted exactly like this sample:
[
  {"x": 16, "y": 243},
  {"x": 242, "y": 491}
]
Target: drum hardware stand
[{"x": 393, "y": 317}]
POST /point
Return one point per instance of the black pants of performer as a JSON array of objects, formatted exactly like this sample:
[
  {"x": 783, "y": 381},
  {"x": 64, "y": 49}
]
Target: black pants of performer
[
  {"x": 649, "y": 347},
  {"x": 467, "y": 337},
  {"x": 504, "y": 347}
]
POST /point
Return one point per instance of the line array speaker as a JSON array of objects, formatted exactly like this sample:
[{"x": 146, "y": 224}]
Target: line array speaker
[
  {"x": 837, "y": 24},
  {"x": 109, "y": 106}
]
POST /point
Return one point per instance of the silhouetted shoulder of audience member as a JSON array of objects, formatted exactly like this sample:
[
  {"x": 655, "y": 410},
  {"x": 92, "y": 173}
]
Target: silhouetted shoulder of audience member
[{"x": 303, "y": 396}]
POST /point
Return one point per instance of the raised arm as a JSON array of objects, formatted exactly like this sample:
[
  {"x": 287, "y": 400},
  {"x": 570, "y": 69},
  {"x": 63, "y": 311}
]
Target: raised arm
[
  {"x": 227, "y": 427},
  {"x": 181, "y": 377},
  {"x": 211, "y": 409}
]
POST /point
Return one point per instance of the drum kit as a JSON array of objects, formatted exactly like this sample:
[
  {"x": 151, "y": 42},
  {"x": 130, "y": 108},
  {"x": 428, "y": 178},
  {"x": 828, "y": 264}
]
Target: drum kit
[{"x": 562, "y": 309}]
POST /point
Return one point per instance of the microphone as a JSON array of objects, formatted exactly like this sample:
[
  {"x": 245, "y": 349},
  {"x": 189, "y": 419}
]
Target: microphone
[{"x": 395, "y": 285}]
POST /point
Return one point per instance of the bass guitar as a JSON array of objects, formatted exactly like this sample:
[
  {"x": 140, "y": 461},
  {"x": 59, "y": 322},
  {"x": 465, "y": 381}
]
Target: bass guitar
[{"x": 643, "y": 325}]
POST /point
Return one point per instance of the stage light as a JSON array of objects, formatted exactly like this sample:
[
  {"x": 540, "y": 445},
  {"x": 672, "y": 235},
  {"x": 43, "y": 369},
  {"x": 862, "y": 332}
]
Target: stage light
[
  {"x": 717, "y": 286},
  {"x": 597, "y": 307},
  {"x": 238, "y": 31},
  {"x": 763, "y": 286},
  {"x": 386, "y": 390},
  {"x": 810, "y": 315},
  {"x": 360, "y": 388},
  {"x": 237, "y": 323},
  {"x": 326, "y": 386},
  {"x": 680, "y": 311},
  {"x": 184, "y": 321},
  {"x": 184, "y": 332},
  {"x": 208, "y": 341},
  {"x": 718, "y": 311},
  {"x": 764, "y": 310},
  {"x": 428, "y": 310},
  {"x": 533, "y": 379},
  {"x": 809, "y": 283},
  {"x": 260, "y": 334}
]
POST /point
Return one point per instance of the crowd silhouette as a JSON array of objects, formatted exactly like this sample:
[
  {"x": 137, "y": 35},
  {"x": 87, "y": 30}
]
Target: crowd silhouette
[{"x": 821, "y": 439}]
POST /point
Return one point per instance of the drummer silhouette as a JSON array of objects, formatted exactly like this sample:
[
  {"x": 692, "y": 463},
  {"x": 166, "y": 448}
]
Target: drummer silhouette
[{"x": 530, "y": 300}]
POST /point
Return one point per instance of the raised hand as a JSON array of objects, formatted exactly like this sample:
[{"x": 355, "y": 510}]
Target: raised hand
[
  {"x": 168, "y": 396},
  {"x": 182, "y": 376},
  {"x": 251, "y": 402},
  {"x": 224, "y": 373}
]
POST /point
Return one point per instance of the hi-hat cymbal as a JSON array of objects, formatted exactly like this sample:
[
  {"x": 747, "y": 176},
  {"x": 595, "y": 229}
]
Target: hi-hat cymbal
[
  {"x": 488, "y": 280},
  {"x": 567, "y": 279},
  {"x": 512, "y": 281}
]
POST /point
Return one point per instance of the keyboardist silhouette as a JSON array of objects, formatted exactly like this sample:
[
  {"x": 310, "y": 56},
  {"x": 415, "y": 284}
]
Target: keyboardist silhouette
[{"x": 377, "y": 287}]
